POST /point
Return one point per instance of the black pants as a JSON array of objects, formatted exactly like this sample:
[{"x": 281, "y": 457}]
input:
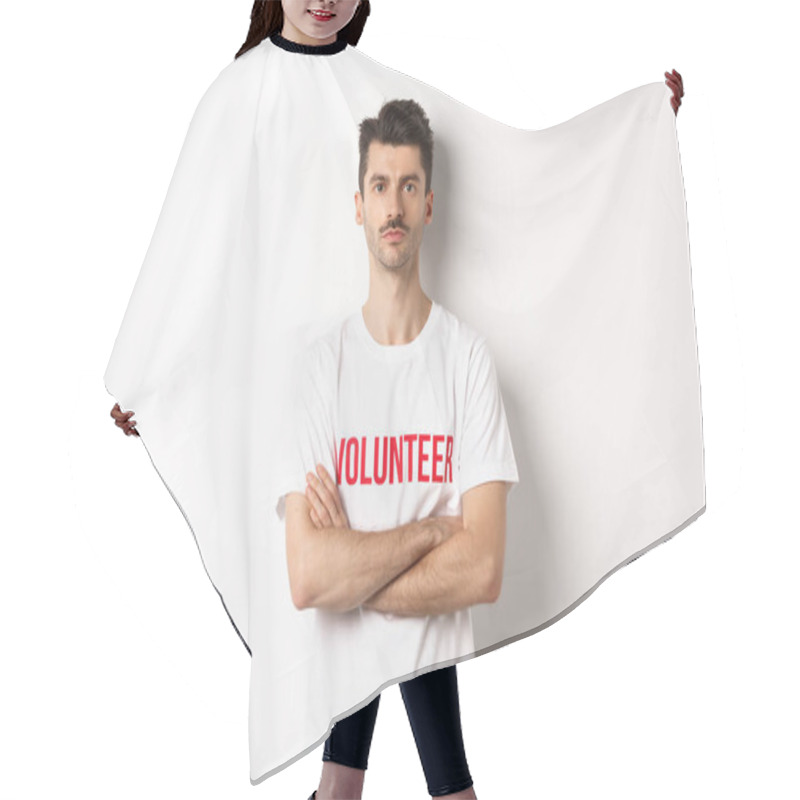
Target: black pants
[{"x": 432, "y": 706}]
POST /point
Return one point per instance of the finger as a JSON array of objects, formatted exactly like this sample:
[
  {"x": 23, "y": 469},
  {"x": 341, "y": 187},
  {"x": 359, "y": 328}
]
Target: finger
[
  {"x": 340, "y": 518},
  {"x": 312, "y": 499},
  {"x": 675, "y": 78},
  {"x": 319, "y": 506},
  {"x": 324, "y": 494},
  {"x": 330, "y": 485}
]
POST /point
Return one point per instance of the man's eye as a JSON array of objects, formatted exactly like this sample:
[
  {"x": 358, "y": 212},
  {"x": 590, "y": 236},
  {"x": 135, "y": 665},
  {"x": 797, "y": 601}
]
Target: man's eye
[
  {"x": 378, "y": 187},
  {"x": 410, "y": 186}
]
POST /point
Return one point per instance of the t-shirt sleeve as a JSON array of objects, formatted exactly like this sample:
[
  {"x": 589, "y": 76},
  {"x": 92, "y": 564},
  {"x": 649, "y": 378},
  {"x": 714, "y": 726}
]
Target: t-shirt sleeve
[
  {"x": 486, "y": 450},
  {"x": 310, "y": 436}
]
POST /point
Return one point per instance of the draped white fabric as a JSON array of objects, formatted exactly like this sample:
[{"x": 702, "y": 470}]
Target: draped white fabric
[{"x": 566, "y": 247}]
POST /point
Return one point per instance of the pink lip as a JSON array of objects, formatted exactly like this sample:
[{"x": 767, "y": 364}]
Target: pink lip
[
  {"x": 322, "y": 16},
  {"x": 393, "y": 236}
]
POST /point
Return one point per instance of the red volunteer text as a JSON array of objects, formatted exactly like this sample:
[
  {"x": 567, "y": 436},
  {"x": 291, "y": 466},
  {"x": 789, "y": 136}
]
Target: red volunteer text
[{"x": 420, "y": 457}]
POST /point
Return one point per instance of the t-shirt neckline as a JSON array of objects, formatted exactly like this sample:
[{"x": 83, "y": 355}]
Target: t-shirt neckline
[{"x": 397, "y": 352}]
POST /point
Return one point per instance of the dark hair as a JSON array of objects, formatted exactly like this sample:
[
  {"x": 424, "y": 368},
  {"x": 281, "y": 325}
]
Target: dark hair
[
  {"x": 266, "y": 18},
  {"x": 398, "y": 122}
]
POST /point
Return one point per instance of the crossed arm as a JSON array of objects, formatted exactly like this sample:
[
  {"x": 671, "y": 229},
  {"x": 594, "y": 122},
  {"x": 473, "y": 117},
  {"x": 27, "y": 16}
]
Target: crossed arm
[{"x": 430, "y": 566}]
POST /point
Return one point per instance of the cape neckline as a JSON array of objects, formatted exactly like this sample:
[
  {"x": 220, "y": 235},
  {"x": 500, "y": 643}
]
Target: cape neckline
[{"x": 308, "y": 49}]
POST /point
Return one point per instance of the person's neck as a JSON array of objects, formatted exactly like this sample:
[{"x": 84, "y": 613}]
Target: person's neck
[
  {"x": 297, "y": 36},
  {"x": 396, "y": 311}
]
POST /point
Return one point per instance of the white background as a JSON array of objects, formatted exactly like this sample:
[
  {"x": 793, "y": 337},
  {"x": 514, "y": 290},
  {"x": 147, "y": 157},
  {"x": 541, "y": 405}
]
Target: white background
[{"x": 121, "y": 674}]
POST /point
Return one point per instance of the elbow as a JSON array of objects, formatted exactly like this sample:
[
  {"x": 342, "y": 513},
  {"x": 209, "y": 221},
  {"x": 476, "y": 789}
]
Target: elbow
[
  {"x": 299, "y": 592},
  {"x": 300, "y": 546},
  {"x": 493, "y": 584},
  {"x": 303, "y": 597},
  {"x": 304, "y": 593},
  {"x": 299, "y": 601},
  {"x": 493, "y": 593},
  {"x": 298, "y": 579}
]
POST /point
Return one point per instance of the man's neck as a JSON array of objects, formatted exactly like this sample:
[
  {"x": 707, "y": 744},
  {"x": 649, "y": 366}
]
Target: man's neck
[{"x": 396, "y": 316}]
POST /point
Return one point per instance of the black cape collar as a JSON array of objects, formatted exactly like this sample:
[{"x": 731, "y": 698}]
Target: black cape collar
[{"x": 308, "y": 49}]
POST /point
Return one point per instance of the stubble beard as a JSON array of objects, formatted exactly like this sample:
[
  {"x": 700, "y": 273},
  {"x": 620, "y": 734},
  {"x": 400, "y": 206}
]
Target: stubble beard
[{"x": 394, "y": 257}]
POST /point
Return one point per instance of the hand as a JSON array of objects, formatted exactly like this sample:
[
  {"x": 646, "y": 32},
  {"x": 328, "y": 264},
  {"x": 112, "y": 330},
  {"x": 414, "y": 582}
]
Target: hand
[
  {"x": 323, "y": 497},
  {"x": 675, "y": 82},
  {"x": 445, "y": 527},
  {"x": 124, "y": 421}
]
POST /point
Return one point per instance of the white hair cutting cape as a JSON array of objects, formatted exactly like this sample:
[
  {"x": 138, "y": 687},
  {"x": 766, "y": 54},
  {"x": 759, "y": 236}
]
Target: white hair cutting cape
[{"x": 566, "y": 247}]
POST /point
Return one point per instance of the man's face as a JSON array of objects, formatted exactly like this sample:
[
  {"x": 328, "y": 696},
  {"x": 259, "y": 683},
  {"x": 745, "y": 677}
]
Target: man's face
[{"x": 394, "y": 208}]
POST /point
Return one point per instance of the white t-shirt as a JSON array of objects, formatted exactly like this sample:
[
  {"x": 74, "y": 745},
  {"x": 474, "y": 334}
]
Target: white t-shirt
[{"x": 404, "y": 430}]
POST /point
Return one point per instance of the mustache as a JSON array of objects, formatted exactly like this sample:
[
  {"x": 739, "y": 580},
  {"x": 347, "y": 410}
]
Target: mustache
[{"x": 394, "y": 224}]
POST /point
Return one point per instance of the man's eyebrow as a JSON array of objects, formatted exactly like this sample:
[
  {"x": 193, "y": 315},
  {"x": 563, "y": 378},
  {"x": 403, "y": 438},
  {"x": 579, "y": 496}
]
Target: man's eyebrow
[{"x": 404, "y": 179}]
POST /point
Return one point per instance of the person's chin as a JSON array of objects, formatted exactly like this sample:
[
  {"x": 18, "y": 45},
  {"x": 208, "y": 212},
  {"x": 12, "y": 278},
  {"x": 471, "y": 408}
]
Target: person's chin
[
  {"x": 395, "y": 254},
  {"x": 392, "y": 264}
]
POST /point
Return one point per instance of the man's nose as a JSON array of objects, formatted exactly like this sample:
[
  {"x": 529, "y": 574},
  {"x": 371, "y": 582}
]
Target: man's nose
[{"x": 394, "y": 205}]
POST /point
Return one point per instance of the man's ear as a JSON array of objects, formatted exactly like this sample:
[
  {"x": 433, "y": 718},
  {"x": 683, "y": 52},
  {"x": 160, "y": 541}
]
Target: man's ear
[
  {"x": 429, "y": 207},
  {"x": 359, "y": 208}
]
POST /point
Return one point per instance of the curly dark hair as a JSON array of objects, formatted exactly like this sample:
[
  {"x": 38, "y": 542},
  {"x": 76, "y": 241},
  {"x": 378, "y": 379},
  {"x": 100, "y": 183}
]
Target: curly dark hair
[{"x": 266, "y": 18}]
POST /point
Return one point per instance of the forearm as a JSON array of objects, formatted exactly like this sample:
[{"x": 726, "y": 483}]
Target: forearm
[
  {"x": 449, "y": 577},
  {"x": 344, "y": 567}
]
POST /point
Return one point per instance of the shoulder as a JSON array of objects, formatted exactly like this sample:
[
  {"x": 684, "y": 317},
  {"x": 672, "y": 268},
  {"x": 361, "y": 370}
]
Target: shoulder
[
  {"x": 323, "y": 353},
  {"x": 247, "y": 66},
  {"x": 461, "y": 335},
  {"x": 238, "y": 84}
]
